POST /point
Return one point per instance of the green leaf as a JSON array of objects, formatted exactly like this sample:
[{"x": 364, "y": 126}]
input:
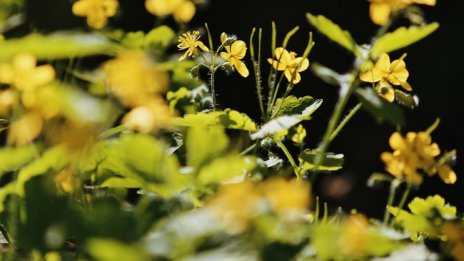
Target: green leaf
[
  {"x": 161, "y": 36},
  {"x": 57, "y": 46},
  {"x": 225, "y": 168},
  {"x": 401, "y": 38},
  {"x": 180, "y": 96},
  {"x": 230, "y": 119},
  {"x": 203, "y": 144},
  {"x": 115, "y": 182},
  {"x": 330, "y": 161},
  {"x": 285, "y": 122},
  {"x": 112, "y": 250},
  {"x": 381, "y": 109},
  {"x": 291, "y": 105},
  {"x": 13, "y": 158},
  {"x": 405, "y": 99},
  {"x": 5, "y": 191},
  {"x": 334, "y": 32}
]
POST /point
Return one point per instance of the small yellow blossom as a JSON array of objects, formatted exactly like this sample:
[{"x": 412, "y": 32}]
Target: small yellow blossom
[
  {"x": 354, "y": 236},
  {"x": 235, "y": 52},
  {"x": 181, "y": 10},
  {"x": 133, "y": 77},
  {"x": 149, "y": 117},
  {"x": 387, "y": 73},
  {"x": 287, "y": 196},
  {"x": 190, "y": 41},
  {"x": 24, "y": 74},
  {"x": 65, "y": 181},
  {"x": 415, "y": 153},
  {"x": 96, "y": 11},
  {"x": 290, "y": 64},
  {"x": 380, "y": 10},
  {"x": 8, "y": 98}
]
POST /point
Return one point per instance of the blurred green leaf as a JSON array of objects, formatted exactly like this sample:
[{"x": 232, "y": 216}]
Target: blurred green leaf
[
  {"x": 381, "y": 109},
  {"x": 291, "y": 105},
  {"x": 112, "y": 250},
  {"x": 326, "y": 74},
  {"x": 330, "y": 161},
  {"x": 410, "y": 101},
  {"x": 225, "y": 168},
  {"x": 333, "y": 32},
  {"x": 401, "y": 38},
  {"x": 230, "y": 119},
  {"x": 285, "y": 122},
  {"x": 60, "y": 45},
  {"x": 204, "y": 143},
  {"x": 161, "y": 36},
  {"x": 13, "y": 158}
]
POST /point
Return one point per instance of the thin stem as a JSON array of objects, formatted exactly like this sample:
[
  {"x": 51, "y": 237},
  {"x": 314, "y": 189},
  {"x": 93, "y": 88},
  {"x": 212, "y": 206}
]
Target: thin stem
[
  {"x": 405, "y": 196},
  {"x": 274, "y": 96},
  {"x": 342, "y": 124},
  {"x": 391, "y": 198},
  {"x": 213, "y": 91},
  {"x": 290, "y": 158},
  {"x": 257, "y": 67},
  {"x": 252, "y": 147}
]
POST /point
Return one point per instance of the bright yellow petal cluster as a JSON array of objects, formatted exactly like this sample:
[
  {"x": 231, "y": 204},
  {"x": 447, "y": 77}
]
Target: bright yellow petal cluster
[
  {"x": 96, "y": 11},
  {"x": 380, "y": 10},
  {"x": 415, "y": 153},
  {"x": 235, "y": 52},
  {"x": 181, "y": 10},
  {"x": 25, "y": 79},
  {"x": 289, "y": 64},
  {"x": 237, "y": 204},
  {"x": 136, "y": 80},
  {"x": 189, "y": 41},
  {"x": 387, "y": 74}
]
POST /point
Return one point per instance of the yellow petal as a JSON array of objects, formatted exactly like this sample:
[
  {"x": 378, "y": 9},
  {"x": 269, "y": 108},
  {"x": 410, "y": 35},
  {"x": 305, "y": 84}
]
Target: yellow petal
[
  {"x": 110, "y": 7},
  {"x": 304, "y": 64},
  {"x": 225, "y": 55},
  {"x": 379, "y": 71},
  {"x": 185, "y": 12},
  {"x": 43, "y": 74},
  {"x": 283, "y": 56},
  {"x": 140, "y": 119},
  {"x": 6, "y": 74},
  {"x": 386, "y": 91},
  {"x": 238, "y": 49},
  {"x": 25, "y": 129},
  {"x": 224, "y": 37},
  {"x": 380, "y": 12},
  {"x": 162, "y": 7},
  {"x": 202, "y": 46},
  {"x": 81, "y": 8},
  {"x": 398, "y": 74},
  {"x": 397, "y": 141},
  {"x": 240, "y": 67},
  {"x": 425, "y": 2},
  {"x": 289, "y": 75}
]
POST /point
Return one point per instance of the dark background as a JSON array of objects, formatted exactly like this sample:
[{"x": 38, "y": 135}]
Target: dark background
[{"x": 435, "y": 65}]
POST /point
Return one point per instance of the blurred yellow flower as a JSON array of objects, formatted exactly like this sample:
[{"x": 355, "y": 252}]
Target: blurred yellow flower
[
  {"x": 387, "y": 73},
  {"x": 287, "y": 196},
  {"x": 290, "y": 64},
  {"x": 413, "y": 153},
  {"x": 96, "y": 11},
  {"x": 380, "y": 10},
  {"x": 190, "y": 41},
  {"x": 24, "y": 74},
  {"x": 133, "y": 77},
  {"x": 8, "y": 98},
  {"x": 25, "y": 129},
  {"x": 235, "y": 52},
  {"x": 149, "y": 117},
  {"x": 181, "y": 10},
  {"x": 65, "y": 181},
  {"x": 355, "y": 234}
]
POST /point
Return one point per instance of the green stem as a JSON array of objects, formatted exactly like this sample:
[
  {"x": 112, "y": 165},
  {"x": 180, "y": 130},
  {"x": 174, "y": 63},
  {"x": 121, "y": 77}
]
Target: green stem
[
  {"x": 290, "y": 159},
  {"x": 342, "y": 124},
  {"x": 213, "y": 91},
  {"x": 405, "y": 196},
  {"x": 273, "y": 97},
  {"x": 391, "y": 198},
  {"x": 252, "y": 147}
]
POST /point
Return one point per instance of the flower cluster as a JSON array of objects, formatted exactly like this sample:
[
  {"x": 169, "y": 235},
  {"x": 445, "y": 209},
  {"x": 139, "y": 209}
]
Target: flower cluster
[
  {"x": 415, "y": 153},
  {"x": 386, "y": 74},
  {"x": 381, "y": 10},
  {"x": 289, "y": 64},
  {"x": 26, "y": 80},
  {"x": 96, "y": 11},
  {"x": 235, "y": 52},
  {"x": 182, "y": 10},
  {"x": 136, "y": 80}
]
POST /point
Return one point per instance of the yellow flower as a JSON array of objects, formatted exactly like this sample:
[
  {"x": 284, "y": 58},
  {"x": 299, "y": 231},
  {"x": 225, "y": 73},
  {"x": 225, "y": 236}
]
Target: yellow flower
[
  {"x": 290, "y": 64},
  {"x": 234, "y": 54},
  {"x": 189, "y": 41},
  {"x": 25, "y": 129},
  {"x": 387, "y": 73},
  {"x": 149, "y": 117},
  {"x": 181, "y": 10},
  {"x": 380, "y": 10},
  {"x": 287, "y": 196},
  {"x": 354, "y": 236},
  {"x": 24, "y": 74},
  {"x": 133, "y": 77},
  {"x": 96, "y": 11},
  {"x": 413, "y": 153},
  {"x": 65, "y": 181}
]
